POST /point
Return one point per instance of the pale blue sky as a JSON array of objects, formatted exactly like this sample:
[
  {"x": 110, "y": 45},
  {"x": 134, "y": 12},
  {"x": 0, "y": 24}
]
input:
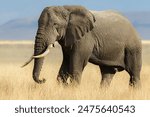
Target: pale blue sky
[{"x": 13, "y": 9}]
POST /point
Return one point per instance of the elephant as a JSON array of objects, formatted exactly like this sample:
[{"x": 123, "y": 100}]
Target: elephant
[{"x": 104, "y": 38}]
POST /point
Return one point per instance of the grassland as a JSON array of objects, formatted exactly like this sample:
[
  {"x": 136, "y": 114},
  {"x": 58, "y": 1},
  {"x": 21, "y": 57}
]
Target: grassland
[{"x": 16, "y": 82}]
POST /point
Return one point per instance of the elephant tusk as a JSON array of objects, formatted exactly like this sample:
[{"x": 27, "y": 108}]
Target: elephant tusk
[
  {"x": 43, "y": 54},
  {"x": 27, "y": 62},
  {"x": 33, "y": 57},
  {"x": 38, "y": 56}
]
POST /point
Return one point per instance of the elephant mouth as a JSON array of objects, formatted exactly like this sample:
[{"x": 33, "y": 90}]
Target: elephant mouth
[{"x": 45, "y": 53}]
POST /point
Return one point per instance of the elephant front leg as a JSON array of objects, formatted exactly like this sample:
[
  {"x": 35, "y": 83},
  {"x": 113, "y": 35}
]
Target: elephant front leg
[
  {"x": 62, "y": 78},
  {"x": 64, "y": 70},
  {"x": 70, "y": 71},
  {"x": 78, "y": 61},
  {"x": 76, "y": 68},
  {"x": 63, "y": 73}
]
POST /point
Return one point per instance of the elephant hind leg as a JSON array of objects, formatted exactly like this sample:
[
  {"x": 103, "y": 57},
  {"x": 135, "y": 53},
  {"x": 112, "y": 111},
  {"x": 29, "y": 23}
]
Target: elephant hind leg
[
  {"x": 107, "y": 75},
  {"x": 133, "y": 67}
]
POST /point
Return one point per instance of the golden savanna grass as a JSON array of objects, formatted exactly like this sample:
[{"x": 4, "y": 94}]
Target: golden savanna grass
[{"x": 17, "y": 82}]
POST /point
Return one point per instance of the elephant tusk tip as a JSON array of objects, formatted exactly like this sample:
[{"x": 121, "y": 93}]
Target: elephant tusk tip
[{"x": 23, "y": 66}]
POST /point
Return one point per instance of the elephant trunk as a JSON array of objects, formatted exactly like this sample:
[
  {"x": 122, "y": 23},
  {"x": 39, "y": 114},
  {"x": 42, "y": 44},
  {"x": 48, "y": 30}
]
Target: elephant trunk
[
  {"x": 38, "y": 62},
  {"x": 39, "y": 47}
]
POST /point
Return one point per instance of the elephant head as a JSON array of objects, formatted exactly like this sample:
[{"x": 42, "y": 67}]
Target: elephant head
[{"x": 59, "y": 23}]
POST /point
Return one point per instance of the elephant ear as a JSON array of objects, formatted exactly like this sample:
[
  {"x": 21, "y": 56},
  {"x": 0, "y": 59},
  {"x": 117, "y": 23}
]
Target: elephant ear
[{"x": 80, "y": 22}]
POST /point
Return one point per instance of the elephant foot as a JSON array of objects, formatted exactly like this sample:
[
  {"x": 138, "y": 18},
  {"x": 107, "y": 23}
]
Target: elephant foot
[
  {"x": 61, "y": 80},
  {"x": 68, "y": 80},
  {"x": 41, "y": 81},
  {"x": 135, "y": 85},
  {"x": 135, "y": 82},
  {"x": 73, "y": 81}
]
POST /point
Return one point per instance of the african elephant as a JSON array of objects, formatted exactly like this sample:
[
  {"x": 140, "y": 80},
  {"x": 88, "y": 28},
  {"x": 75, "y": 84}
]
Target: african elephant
[{"x": 104, "y": 38}]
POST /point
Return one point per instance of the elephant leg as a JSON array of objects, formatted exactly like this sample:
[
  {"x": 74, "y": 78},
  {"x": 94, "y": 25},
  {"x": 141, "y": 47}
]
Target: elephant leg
[
  {"x": 133, "y": 67},
  {"x": 107, "y": 75},
  {"x": 63, "y": 73},
  {"x": 134, "y": 78},
  {"x": 76, "y": 70},
  {"x": 79, "y": 58},
  {"x": 134, "y": 81}
]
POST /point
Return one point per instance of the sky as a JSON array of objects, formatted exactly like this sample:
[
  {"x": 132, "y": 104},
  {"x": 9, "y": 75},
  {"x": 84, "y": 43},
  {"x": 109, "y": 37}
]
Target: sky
[
  {"x": 18, "y": 18},
  {"x": 13, "y": 9}
]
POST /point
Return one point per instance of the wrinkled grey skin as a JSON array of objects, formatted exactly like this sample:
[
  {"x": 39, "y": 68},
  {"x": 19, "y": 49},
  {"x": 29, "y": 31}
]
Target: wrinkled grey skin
[{"x": 104, "y": 38}]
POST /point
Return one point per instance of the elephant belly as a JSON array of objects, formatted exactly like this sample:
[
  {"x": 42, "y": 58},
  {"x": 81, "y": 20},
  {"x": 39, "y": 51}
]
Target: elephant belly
[{"x": 113, "y": 57}]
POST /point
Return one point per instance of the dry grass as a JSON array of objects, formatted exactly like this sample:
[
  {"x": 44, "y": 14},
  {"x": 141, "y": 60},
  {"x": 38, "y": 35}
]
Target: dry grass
[{"x": 17, "y": 83}]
